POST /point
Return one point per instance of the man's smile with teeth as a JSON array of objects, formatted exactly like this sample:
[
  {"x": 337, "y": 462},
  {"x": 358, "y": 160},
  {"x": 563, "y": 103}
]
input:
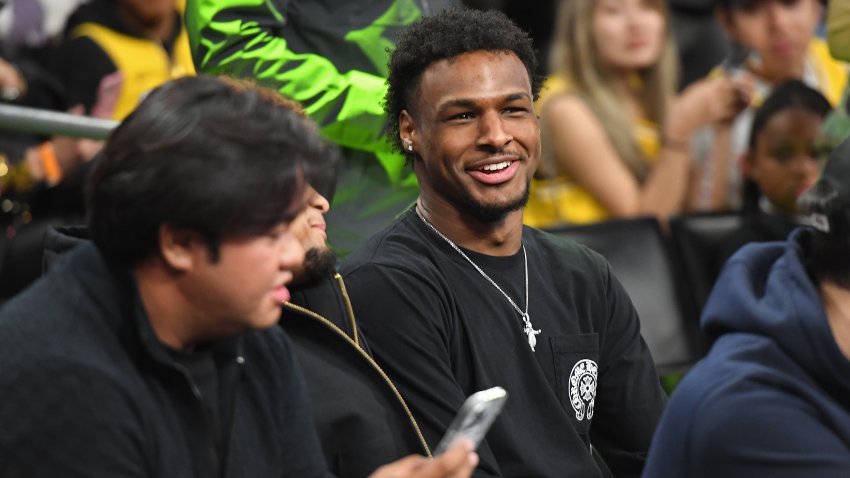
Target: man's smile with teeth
[{"x": 496, "y": 166}]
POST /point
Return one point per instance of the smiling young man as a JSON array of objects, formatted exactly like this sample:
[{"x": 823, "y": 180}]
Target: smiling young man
[
  {"x": 152, "y": 351},
  {"x": 458, "y": 296}
]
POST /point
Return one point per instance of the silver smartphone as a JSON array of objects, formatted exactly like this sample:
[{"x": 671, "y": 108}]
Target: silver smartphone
[
  {"x": 736, "y": 60},
  {"x": 474, "y": 418}
]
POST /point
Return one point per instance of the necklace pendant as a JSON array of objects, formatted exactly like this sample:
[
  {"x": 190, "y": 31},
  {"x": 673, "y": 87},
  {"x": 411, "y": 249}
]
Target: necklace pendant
[
  {"x": 530, "y": 332},
  {"x": 527, "y": 329}
]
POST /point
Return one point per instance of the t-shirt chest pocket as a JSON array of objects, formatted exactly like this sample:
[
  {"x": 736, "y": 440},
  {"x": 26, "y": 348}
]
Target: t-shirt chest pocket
[{"x": 576, "y": 374}]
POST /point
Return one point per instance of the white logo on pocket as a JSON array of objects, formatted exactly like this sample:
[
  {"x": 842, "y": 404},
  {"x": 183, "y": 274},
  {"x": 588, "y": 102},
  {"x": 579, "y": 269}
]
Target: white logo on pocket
[{"x": 583, "y": 388}]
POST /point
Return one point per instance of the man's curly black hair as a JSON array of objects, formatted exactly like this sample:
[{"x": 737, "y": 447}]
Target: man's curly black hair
[{"x": 447, "y": 34}]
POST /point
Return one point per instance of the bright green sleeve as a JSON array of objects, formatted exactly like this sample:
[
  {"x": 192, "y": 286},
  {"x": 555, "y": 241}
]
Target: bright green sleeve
[{"x": 244, "y": 38}]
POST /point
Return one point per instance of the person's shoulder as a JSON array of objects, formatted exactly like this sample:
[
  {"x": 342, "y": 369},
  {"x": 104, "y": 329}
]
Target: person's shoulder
[
  {"x": 36, "y": 374},
  {"x": 567, "y": 106},
  {"x": 76, "y": 310},
  {"x": 87, "y": 53},
  {"x": 81, "y": 63},
  {"x": 740, "y": 373},
  {"x": 747, "y": 399},
  {"x": 554, "y": 86},
  {"x": 714, "y": 391},
  {"x": 572, "y": 125},
  {"x": 732, "y": 407},
  {"x": 564, "y": 253},
  {"x": 50, "y": 306},
  {"x": 400, "y": 247},
  {"x": 61, "y": 412}
]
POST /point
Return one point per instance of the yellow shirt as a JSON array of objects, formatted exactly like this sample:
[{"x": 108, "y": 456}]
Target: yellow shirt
[
  {"x": 558, "y": 200},
  {"x": 143, "y": 62}
]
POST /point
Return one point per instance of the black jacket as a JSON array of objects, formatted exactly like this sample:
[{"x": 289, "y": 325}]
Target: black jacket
[
  {"x": 88, "y": 390},
  {"x": 361, "y": 418}
]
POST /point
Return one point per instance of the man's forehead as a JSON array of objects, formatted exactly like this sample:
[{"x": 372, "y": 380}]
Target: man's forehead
[
  {"x": 471, "y": 101},
  {"x": 475, "y": 75},
  {"x": 472, "y": 61}
]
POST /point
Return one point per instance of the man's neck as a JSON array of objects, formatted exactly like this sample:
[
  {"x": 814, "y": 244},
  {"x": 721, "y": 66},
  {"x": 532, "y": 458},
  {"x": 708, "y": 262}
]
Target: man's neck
[
  {"x": 496, "y": 238},
  {"x": 168, "y": 313}
]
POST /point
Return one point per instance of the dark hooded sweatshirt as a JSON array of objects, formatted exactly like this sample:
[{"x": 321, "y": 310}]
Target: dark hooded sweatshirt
[{"x": 772, "y": 398}]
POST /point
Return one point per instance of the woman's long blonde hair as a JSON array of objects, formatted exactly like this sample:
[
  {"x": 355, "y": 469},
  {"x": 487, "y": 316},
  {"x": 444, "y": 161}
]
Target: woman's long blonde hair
[{"x": 574, "y": 55}]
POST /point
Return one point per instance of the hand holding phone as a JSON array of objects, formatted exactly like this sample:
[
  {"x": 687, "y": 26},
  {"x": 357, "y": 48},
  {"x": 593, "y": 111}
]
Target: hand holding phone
[{"x": 474, "y": 418}]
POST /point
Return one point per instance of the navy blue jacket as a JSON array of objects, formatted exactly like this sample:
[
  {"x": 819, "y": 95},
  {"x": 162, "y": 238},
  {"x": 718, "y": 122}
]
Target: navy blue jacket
[{"x": 772, "y": 398}]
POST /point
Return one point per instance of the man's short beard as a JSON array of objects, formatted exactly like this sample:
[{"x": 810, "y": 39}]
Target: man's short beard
[
  {"x": 492, "y": 212},
  {"x": 319, "y": 262}
]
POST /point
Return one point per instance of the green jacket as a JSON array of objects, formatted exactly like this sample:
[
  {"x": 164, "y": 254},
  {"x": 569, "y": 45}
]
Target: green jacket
[{"x": 329, "y": 55}]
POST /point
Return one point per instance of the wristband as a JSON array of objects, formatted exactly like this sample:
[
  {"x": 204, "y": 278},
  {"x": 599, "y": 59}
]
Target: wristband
[{"x": 49, "y": 163}]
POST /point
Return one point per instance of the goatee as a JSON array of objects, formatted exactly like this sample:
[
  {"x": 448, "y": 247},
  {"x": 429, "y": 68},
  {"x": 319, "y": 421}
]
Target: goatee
[
  {"x": 492, "y": 212},
  {"x": 318, "y": 263}
]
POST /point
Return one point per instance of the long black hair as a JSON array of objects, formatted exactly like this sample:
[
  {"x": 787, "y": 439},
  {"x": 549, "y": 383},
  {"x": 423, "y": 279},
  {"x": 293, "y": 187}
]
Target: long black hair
[{"x": 201, "y": 154}]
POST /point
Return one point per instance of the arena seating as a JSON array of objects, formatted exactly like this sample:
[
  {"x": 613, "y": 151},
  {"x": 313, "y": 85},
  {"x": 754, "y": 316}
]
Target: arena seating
[{"x": 643, "y": 261}]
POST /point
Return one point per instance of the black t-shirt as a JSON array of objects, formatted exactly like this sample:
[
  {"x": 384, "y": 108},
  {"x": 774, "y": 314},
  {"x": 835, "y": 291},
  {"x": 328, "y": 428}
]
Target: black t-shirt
[{"x": 442, "y": 332}]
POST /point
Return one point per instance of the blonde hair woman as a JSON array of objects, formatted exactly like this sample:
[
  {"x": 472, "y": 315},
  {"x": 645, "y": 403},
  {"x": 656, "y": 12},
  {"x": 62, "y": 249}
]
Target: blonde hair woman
[{"x": 615, "y": 136}]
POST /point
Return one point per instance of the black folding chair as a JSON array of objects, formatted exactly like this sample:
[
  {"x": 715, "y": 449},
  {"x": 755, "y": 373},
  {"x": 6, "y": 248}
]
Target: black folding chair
[
  {"x": 701, "y": 240},
  {"x": 642, "y": 260}
]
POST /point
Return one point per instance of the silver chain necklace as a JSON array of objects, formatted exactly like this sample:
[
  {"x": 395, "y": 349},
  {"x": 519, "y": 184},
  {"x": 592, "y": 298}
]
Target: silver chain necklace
[{"x": 528, "y": 329}]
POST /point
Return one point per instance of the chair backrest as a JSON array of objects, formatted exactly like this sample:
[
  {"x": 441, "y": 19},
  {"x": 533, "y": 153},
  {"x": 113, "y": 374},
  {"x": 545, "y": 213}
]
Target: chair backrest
[
  {"x": 701, "y": 240},
  {"x": 642, "y": 260}
]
